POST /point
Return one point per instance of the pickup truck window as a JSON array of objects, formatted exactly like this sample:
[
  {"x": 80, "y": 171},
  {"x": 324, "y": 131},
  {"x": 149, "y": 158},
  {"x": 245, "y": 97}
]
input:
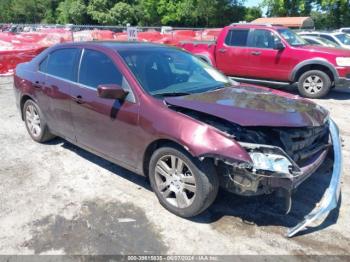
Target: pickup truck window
[
  {"x": 237, "y": 37},
  {"x": 263, "y": 39},
  {"x": 292, "y": 38}
]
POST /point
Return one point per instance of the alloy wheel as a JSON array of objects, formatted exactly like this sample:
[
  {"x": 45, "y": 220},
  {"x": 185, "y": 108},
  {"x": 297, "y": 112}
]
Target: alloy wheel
[
  {"x": 175, "y": 181},
  {"x": 33, "y": 120}
]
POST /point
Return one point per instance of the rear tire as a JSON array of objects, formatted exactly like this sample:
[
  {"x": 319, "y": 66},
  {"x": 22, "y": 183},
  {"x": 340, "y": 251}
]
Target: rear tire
[
  {"x": 314, "y": 84},
  {"x": 35, "y": 122},
  {"x": 183, "y": 185}
]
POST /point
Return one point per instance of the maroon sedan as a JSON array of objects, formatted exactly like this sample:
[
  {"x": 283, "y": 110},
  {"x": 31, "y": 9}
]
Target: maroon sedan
[{"x": 163, "y": 113}]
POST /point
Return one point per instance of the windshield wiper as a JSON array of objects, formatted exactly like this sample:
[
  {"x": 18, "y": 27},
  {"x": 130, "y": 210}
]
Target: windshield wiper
[{"x": 172, "y": 94}]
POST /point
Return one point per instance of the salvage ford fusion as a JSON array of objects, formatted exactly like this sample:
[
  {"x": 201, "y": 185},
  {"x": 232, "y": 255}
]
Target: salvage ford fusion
[{"x": 163, "y": 113}]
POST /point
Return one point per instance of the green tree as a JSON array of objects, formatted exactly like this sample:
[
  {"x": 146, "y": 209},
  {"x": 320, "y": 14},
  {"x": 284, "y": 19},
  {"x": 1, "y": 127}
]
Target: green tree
[
  {"x": 28, "y": 11},
  {"x": 71, "y": 11},
  {"x": 113, "y": 12},
  {"x": 5, "y": 11},
  {"x": 337, "y": 11},
  {"x": 252, "y": 13},
  {"x": 288, "y": 7},
  {"x": 199, "y": 13},
  {"x": 150, "y": 15}
]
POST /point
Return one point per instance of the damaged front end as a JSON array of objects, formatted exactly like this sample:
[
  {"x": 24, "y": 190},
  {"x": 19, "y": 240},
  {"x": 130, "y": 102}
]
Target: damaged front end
[
  {"x": 281, "y": 159},
  {"x": 273, "y": 170}
]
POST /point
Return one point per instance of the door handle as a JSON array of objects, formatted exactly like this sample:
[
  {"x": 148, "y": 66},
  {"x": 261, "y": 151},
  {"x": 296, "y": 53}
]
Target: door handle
[
  {"x": 78, "y": 99},
  {"x": 37, "y": 84},
  {"x": 256, "y": 53},
  {"x": 222, "y": 50}
]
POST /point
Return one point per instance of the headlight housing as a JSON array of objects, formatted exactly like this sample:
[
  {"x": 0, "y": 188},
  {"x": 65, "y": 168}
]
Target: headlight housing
[
  {"x": 271, "y": 162},
  {"x": 343, "y": 61}
]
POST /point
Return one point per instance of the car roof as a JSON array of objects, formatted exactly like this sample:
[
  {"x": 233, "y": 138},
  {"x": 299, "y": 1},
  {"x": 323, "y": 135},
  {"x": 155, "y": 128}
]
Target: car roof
[
  {"x": 256, "y": 26},
  {"x": 116, "y": 45}
]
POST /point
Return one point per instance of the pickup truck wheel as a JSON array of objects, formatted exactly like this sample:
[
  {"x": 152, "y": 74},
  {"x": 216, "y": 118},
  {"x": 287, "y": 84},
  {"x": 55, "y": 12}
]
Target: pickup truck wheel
[
  {"x": 314, "y": 84},
  {"x": 183, "y": 185},
  {"x": 35, "y": 122}
]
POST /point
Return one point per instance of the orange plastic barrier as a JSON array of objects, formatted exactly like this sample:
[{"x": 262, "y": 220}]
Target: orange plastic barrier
[
  {"x": 22, "y": 47},
  {"x": 10, "y": 58}
]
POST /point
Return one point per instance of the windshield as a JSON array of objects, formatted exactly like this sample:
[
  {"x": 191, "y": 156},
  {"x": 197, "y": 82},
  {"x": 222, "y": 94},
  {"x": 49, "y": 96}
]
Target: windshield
[
  {"x": 292, "y": 38},
  {"x": 344, "y": 38},
  {"x": 165, "y": 71}
]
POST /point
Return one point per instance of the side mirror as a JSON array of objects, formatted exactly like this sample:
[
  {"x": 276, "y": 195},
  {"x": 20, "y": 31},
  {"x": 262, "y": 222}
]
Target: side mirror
[
  {"x": 279, "y": 46},
  {"x": 111, "y": 91}
]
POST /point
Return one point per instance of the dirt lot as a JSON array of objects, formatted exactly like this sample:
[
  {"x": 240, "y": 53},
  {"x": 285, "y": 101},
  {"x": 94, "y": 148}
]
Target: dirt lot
[{"x": 58, "y": 199}]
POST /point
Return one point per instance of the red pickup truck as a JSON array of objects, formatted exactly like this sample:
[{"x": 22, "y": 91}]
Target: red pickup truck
[{"x": 269, "y": 54}]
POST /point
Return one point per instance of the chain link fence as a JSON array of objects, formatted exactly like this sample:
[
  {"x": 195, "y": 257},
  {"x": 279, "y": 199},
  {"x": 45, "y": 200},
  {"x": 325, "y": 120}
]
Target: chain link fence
[
  {"x": 103, "y": 32},
  {"x": 21, "y": 42}
]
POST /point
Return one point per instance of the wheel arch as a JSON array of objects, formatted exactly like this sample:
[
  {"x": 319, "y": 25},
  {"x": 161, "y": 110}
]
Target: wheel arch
[
  {"x": 314, "y": 64},
  {"x": 153, "y": 146}
]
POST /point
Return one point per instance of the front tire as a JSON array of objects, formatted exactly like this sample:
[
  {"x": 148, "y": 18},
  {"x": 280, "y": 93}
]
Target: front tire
[
  {"x": 183, "y": 185},
  {"x": 314, "y": 84},
  {"x": 35, "y": 122}
]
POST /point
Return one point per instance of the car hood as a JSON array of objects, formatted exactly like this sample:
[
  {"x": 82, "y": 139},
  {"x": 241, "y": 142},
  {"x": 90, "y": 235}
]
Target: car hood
[{"x": 248, "y": 105}]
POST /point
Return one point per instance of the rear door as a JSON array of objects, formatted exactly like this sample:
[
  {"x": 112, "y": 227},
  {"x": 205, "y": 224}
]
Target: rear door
[
  {"x": 60, "y": 68},
  {"x": 231, "y": 57},
  {"x": 107, "y": 126}
]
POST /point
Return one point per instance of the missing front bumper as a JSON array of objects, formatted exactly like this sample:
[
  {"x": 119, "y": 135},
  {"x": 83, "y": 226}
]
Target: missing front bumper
[{"x": 330, "y": 199}]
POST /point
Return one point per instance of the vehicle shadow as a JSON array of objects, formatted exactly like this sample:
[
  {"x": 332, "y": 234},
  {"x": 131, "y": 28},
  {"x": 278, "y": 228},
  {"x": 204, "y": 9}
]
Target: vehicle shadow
[
  {"x": 113, "y": 168},
  {"x": 260, "y": 210}
]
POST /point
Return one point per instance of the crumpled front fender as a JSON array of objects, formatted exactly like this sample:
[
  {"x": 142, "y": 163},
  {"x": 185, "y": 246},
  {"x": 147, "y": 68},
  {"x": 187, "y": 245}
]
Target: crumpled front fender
[{"x": 206, "y": 141}]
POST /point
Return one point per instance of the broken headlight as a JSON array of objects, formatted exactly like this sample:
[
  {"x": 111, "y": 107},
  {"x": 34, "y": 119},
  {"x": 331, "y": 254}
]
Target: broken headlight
[
  {"x": 270, "y": 158},
  {"x": 271, "y": 162}
]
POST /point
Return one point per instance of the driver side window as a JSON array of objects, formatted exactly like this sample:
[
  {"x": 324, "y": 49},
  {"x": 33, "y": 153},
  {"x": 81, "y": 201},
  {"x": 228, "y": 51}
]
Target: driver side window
[
  {"x": 97, "y": 68},
  {"x": 263, "y": 39}
]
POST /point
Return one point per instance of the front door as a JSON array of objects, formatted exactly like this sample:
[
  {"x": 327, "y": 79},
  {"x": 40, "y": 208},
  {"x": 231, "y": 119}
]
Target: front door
[
  {"x": 107, "y": 126},
  {"x": 266, "y": 62}
]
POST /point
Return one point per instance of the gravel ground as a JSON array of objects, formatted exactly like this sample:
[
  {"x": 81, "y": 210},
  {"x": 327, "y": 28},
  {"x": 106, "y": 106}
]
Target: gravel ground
[{"x": 58, "y": 199}]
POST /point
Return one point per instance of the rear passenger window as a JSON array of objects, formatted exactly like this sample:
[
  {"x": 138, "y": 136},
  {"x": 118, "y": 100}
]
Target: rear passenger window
[
  {"x": 62, "y": 63},
  {"x": 97, "y": 68},
  {"x": 237, "y": 37}
]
